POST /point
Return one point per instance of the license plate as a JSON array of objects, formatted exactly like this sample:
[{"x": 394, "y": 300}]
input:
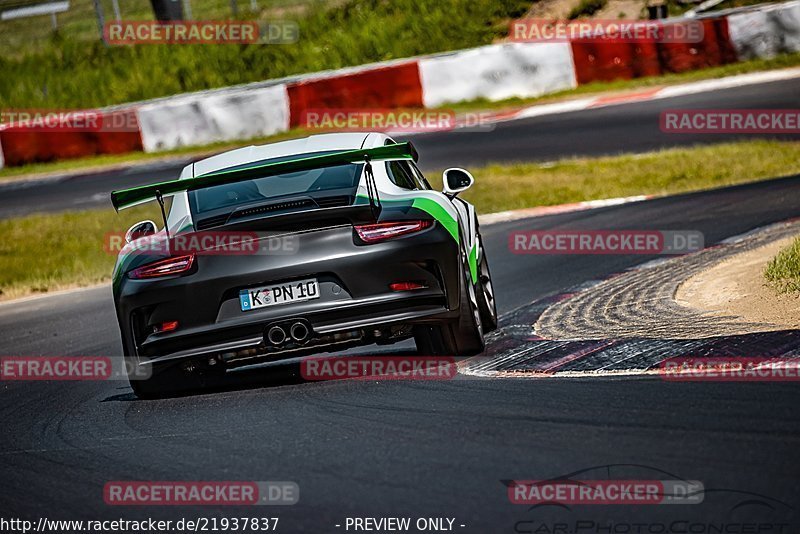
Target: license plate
[{"x": 261, "y": 297}]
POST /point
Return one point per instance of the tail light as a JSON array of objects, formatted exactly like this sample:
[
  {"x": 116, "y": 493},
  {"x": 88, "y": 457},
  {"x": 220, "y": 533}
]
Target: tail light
[
  {"x": 375, "y": 233},
  {"x": 167, "y": 267},
  {"x": 169, "y": 326},
  {"x": 407, "y": 286}
]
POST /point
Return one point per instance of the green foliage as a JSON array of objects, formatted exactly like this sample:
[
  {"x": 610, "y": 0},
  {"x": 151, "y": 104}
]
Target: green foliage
[
  {"x": 37, "y": 254},
  {"x": 71, "y": 73},
  {"x": 503, "y": 187},
  {"x": 783, "y": 271},
  {"x": 41, "y": 253}
]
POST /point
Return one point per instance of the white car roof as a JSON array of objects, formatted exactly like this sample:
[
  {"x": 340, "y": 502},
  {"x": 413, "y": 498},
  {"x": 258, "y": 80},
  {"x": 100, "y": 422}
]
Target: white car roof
[{"x": 314, "y": 143}]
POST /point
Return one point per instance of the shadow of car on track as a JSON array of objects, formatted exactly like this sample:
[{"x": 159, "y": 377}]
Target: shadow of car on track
[{"x": 282, "y": 373}]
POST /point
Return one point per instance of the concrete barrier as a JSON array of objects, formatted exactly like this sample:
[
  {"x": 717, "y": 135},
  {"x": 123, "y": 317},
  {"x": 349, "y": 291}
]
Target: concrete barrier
[
  {"x": 767, "y": 31},
  {"x": 609, "y": 60},
  {"x": 115, "y": 132},
  {"x": 392, "y": 86},
  {"x": 715, "y": 49},
  {"x": 219, "y": 116},
  {"x": 497, "y": 72}
]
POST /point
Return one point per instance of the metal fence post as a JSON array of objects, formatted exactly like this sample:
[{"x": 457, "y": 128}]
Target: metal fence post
[{"x": 98, "y": 9}]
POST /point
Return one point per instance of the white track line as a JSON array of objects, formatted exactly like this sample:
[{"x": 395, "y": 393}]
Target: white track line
[{"x": 645, "y": 94}]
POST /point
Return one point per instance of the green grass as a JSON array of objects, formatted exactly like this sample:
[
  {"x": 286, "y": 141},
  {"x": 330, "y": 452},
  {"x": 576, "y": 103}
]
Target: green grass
[
  {"x": 33, "y": 34},
  {"x": 69, "y": 73},
  {"x": 72, "y": 68},
  {"x": 507, "y": 187},
  {"x": 42, "y": 253},
  {"x": 783, "y": 271}
]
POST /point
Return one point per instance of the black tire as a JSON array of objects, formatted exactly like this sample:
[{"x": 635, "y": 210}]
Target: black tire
[
  {"x": 462, "y": 337},
  {"x": 467, "y": 333},
  {"x": 485, "y": 292},
  {"x": 429, "y": 340},
  {"x": 169, "y": 379},
  {"x": 154, "y": 385}
]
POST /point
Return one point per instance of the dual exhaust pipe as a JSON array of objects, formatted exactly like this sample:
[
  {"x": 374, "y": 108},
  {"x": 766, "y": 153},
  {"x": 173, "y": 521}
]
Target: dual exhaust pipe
[{"x": 298, "y": 332}]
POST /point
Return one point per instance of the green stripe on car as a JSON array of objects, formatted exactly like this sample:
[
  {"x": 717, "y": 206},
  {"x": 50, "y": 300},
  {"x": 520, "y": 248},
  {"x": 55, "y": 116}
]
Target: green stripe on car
[
  {"x": 473, "y": 263},
  {"x": 435, "y": 210}
]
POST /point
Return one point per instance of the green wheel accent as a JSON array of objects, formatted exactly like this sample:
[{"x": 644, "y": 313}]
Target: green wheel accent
[{"x": 473, "y": 263}]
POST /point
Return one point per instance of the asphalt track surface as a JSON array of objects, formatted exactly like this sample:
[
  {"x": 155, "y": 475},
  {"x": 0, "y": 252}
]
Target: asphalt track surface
[
  {"x": 375, "y": 448},
  {"x": 631, "y": 127},
  {"x": 419, "y": 449}
]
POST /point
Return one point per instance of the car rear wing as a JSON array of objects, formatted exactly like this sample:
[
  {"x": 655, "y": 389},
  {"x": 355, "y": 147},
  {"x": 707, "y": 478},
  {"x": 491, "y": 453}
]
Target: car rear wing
[{"x": 136, "y": 195}]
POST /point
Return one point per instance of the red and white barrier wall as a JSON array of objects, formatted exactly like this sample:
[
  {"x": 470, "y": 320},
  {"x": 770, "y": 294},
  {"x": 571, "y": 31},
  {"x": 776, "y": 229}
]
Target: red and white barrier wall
[
  {"x": 605, "y": 61},
  {"x": 383, "y": 86},
  {"x": 117, "y": 133},
  {"x": 200, "y": 119},
  {"x": 493, "y": 72},
  {"x": 496, "y": 72}
]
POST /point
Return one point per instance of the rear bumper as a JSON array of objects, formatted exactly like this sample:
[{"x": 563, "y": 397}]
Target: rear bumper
[
  {"x": 248, "y": 345},
  {"x": 354, "y": 296}
]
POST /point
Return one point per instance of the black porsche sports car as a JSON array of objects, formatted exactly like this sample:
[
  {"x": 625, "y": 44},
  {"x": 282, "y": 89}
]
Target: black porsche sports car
[{"x": 296, "y": 248}]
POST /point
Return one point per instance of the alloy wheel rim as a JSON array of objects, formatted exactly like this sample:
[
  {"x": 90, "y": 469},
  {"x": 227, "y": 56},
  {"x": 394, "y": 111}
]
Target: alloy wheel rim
[{"x": 486, "y": 284}]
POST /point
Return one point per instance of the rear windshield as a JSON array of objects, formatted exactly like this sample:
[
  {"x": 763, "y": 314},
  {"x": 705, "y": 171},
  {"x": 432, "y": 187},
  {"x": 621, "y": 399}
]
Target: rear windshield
[{"x": 338, "y": 180}]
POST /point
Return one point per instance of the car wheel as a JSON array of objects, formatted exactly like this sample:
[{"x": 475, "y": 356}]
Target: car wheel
[
  {"x": 462, "y": 337},
  {"x": 468, "y": 331},
  {"x": 485, "y": 291},
  {"x": 152, "y": 385},
  {"x": 168, "y": 379}
]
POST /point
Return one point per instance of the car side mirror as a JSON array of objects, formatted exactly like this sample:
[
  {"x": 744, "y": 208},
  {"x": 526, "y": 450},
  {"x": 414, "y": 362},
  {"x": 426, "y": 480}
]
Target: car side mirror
[
  {"x": 456, "y": 180},
  {"x": 140, "y": 229}
]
